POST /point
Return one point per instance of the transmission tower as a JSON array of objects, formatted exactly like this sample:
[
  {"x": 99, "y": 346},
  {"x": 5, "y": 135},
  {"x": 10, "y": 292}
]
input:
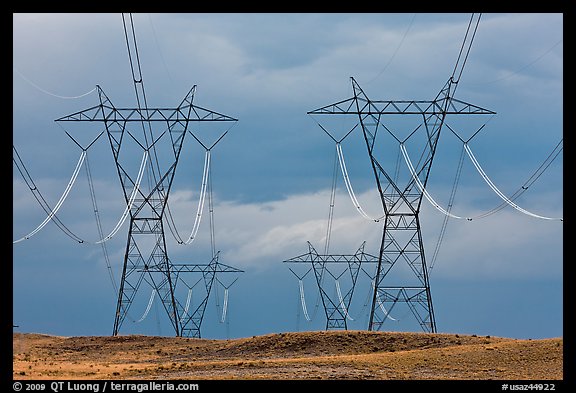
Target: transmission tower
[
  {"x": 158, "y": 134},
  {"x": 401, "y": 275},
  {"x": 402, "y": 236},
  {"x": 335, "y": 306}
]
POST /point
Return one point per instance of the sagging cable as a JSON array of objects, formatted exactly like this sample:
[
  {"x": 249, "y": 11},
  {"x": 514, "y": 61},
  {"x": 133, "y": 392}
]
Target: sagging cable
[
  {"x": 342, "y": 305},
  {"x": 187, "y": 306},
  {"x": 547, "y": 162},
  {"x": 60, "y": 201},
  {"x": 225, "y": 300},
  {"x": 224, "y": 306},
  {"x": 303, "y": 300},
  {"x": 423, "y": 189},
  {"x": 200, "y": 209},
  {"x": 349, "y": 186},
  {"x": 38, "y": 196},
  {"x": 49, "y": 93},
  {"x": 130, "y": 200},
  {"x": 498, "y": 192},
  {"x": 152, "y": 295},
  {"x": 381, "y": 304},
  {"x": 384, "y": 309}
]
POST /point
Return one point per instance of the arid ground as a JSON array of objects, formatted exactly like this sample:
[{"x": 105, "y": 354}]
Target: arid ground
[{"x": 350, "y": 355}]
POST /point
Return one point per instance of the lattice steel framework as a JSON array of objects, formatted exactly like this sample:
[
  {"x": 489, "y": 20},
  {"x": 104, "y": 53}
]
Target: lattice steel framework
[
  {"x": 146, "y": 194},
  {"x": 190, "y": 322},
  {"x": 335, "y": 308},
  {"x": 401, "y": 199}
]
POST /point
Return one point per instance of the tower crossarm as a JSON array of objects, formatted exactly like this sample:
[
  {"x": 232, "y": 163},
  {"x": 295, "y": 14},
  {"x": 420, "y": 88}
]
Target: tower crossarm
[
  {"x": 107, "y": 112},
  {"x": 361, "y": 105},
  {"x": 214, "y": 266},
  {"x": 203, "y": 268},
  {"x": 333, "y": 258},
  {"x": 335, "y": 308},
  {"x": 96, "y": 113},
  {"x": 401, "y": 107}
]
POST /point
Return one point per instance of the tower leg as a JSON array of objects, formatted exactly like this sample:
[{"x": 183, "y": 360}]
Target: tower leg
[
  {"x": 402, "y": 276},
  {"x": 155, "y": 270}
]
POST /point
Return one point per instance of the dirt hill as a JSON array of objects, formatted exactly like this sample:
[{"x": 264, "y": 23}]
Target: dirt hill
[{"x": 304, "y": 355}]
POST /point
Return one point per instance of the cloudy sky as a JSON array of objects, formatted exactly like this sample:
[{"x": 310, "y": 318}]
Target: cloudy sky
[{"x": 272, "y": 173}]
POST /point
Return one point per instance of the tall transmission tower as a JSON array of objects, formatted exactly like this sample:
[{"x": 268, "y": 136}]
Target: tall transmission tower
[
  {"x": 401, "y": 276},
  {"x": 158, "y": 134}
]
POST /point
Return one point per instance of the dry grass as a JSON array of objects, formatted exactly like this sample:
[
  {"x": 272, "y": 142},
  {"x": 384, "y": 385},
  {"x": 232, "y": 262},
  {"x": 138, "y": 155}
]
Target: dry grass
[{"x": 350, "y": 355}]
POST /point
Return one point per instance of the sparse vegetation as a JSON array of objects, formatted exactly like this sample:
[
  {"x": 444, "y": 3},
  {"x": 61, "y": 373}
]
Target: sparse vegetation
[{"x": 303, "y": 355}]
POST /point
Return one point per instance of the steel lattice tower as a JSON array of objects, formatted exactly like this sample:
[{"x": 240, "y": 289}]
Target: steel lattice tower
[
  {"x": 190, "y": 322},
  {"x": 146, "y": 194},
  {"x": 335, "y": 307},
  {"x": 401, "y": 245},
  {"x": 157, "y": 133}
]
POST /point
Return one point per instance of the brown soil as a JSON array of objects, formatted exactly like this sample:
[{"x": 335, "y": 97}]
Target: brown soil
[{"x": 305, "y": 355}]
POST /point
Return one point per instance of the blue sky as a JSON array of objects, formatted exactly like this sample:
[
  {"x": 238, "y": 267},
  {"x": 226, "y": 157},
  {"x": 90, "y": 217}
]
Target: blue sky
[{"x": 272, "y": 173}]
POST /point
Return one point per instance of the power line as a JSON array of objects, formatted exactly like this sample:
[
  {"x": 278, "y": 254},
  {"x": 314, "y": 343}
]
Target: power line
[
  {"x": 99, "y": 226},
  {"x": 462, "y": 48},
  {"x": 446, "y": 217},
  {"x": 499, "y": 193},
  {"x": 517, "y": 71},
  {"x": 396, "y": 50},
  {"x": 50, "y": 93},
  {"x": 38, "y": 196},
  {"x": 60, "y": 202}
]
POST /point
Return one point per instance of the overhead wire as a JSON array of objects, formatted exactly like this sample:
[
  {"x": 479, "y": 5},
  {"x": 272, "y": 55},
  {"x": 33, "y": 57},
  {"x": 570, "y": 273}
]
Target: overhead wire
[
  {"x": 224, "y": 306},
  {"x": 52, "y": 212},
  {"x": 446, "y": 217},
  {"x": 211, "y": 213},
  {"x": 507, "y": 200},
  {"x": 517, "y": 71},
  {"x": 341, "y": 299},
  {"x": 187, "y": 306},
  {"x": 328, "y": 231},
  {"x": 138, "y": 81},
  {"x": 200, "y": 209},
  {"x": 421, "y": 187},
  {"x": 468, "y": 50},
  {"x": 189, "y": 298},
  {"x": 332, "y": 202},
  {"x": 50, "y": 93},
  {"x": 159, "y": 48},
  {"x": 150, "y": 149},
  {"x": 130, "y": 202},
  {"x": 381, "y": 304},
  {"x": 396, "y": 50},
  {"x": 350, "y": 189},
  {"x": 517, "y": 193},
  {"x": 302, "y": 295},
  {"x": 365, "y": 304},
  {"x": 201, "y": 200},
  {"x": 498, "y": 192},
  {"x": 60, "y": 201},
  {"x": 38, "y": 196},
  {"x": 152, "y": 296},
  {"x": 303, "y": 300},
  {"x": 524, "y": 187},
  {"x": 225, "y": 298},
  {"x": 172, "y": 225},
  {"x": 99, "y": 225}
]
